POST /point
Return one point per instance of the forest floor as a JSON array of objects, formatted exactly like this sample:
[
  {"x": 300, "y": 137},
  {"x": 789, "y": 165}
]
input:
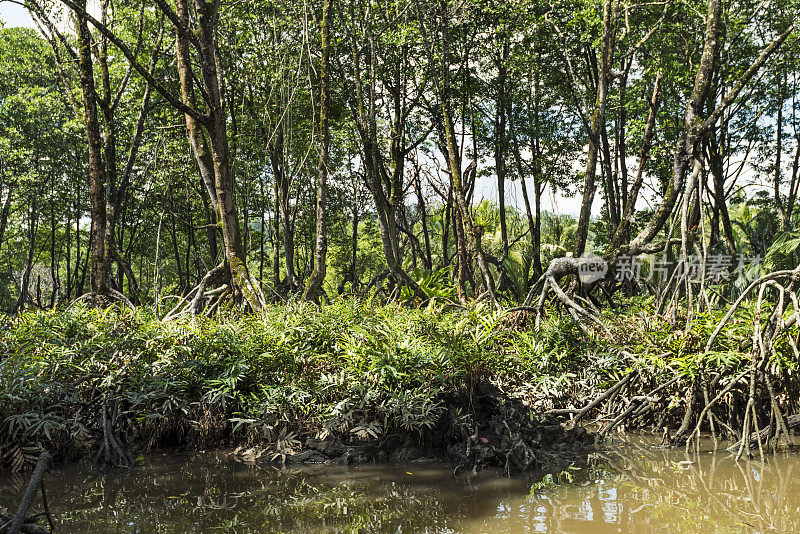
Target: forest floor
[{"x": 349, "y": 382}]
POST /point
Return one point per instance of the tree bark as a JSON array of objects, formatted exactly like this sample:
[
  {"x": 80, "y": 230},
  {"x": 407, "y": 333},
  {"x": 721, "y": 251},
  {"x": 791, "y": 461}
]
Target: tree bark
[
  {"x": 694, "y": 125},
  {"x": 500, "y": 145},
  {"x": 622, "y": 232},
  {"x": 317, "y": 277},
  {"x": 472, "y": 233},
  {"x": 215, "y": 124},
  {"x": 597, "y": 122},
  {"x": 99, "y": 259}
]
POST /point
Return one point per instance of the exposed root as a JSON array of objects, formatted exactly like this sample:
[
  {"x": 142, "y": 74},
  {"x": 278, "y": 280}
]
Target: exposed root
[
  {"x": 198, "y": 299},
  {"x": 111, "y": 451},
  {"x": 21, "y": 522},
  {"x": 748, "y": 404},
  {"x": 638, "y": 406},
  {"x": 601, "y": 398},
  {"x": 579, "y": 313},
  {"x": 579, "y": 304}
]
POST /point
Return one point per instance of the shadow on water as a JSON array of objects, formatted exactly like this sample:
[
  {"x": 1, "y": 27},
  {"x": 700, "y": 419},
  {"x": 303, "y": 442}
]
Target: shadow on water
[{"x": 631, "y": 487}]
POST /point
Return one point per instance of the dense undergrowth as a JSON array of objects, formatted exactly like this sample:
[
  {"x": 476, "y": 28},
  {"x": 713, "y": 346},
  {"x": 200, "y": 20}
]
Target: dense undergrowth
[{"x": 351, "y": 370}]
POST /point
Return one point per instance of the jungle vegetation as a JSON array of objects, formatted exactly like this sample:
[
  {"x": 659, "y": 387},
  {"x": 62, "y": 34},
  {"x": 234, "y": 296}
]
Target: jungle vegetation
[{"x": 268, "y": 217}]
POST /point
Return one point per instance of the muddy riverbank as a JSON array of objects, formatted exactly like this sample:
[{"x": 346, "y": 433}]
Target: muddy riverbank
[{"x": 480, "y": 428}]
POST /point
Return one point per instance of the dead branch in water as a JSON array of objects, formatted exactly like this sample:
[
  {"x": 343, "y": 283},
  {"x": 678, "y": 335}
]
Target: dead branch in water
[{"x": 21, "y": 522}]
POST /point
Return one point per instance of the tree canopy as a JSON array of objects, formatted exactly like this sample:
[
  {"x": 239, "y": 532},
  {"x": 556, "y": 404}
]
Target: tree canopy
[{"x": 261, "y": 151}]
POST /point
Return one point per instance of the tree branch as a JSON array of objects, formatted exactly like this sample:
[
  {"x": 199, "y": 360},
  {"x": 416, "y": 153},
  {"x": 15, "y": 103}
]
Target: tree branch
[{"x": 169, "y": 97}]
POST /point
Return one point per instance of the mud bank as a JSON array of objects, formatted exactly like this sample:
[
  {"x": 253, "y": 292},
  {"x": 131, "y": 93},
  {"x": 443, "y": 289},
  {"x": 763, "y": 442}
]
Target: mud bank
[{"x": 482, "y": 428}]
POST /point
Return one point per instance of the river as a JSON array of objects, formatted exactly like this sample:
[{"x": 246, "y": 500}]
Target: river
[{"x": 631, "y": 487}]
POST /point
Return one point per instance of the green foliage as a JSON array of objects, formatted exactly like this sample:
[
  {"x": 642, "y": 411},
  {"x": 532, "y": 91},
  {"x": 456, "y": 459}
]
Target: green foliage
[
  {"x": 437, "y": 284},
  {"x": 784, "y": 253},
  {"x": 347, "y": 369}
]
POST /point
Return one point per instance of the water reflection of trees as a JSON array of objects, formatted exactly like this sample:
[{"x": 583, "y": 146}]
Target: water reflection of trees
[
  {"x": 638, "y": 489},
  {"x": 211, "y": 493},
  {"x": 630, "y": 490}
]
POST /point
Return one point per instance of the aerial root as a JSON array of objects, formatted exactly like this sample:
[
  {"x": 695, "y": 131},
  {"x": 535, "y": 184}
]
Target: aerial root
[
  {"x": 578, "y": 312},
  {"x": 111, "y": 451},
  {"x": 198, "y": 299},
  {"x": 638, "y": 406},
  {"x": 767, "y": 327}
]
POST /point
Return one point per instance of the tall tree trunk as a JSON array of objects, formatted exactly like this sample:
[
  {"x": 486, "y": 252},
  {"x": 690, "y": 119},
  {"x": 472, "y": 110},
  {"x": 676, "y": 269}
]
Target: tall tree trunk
[
  {"x": 317, "y": 277},
  {"x": 622, "y": 147},
  {"x": 500, "y": 145},
  {"x": 215, "y": 125},
  {"x": 472, "y": 233},
  {"x": 785, "y": 219},
  {"x": 284, "y": 213},
  {"x": 423, "y": 214},
  {"x": 597, "y": 122},
  {"x": 53, "y": 258},
  {"x": 68, "y": 259},
  {"x": 534, "y": 221},
  {"x": 716, "y": 163},
  {"x": 610, "y": 185},
  {"x": 99, "y": 260},
  {"x": 5, "y": 212},
  {"x": 354, "y": 278},
  {"x": 384, "y": 185},
  {"x": 622, "y": 233},
  {"x": 694, "y": 125},
  {"x": 24, "y": 294},
  {"x": 686, "y": 145},
  {"x": 276, "y": 228}
]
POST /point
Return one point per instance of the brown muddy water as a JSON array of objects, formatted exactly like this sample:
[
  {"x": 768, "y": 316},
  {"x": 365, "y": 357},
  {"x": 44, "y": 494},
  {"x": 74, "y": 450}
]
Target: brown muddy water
[{"x": 629, "y": 487}]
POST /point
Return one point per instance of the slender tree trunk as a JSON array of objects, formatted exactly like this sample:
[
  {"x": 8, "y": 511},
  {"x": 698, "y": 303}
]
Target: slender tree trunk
[
  {"x": 537, "y": 229},
  {"x": 462, "y": 256},
  {"x": 263, "y": 209},
  {"x": 716, "y": 161},
  {"x": 597, "y": 122},
  {"x": 24, "y": 294},
  {"x": 423, "y": 213},
  {"x": 622, "y": 147},
  {"x": 276, "y": 228},
  {"x": 282, "y": 193},
  {"x": 68, "y": 262},
  {"x": 500, "y": 146},
  {"x": 472, "y": 233},
  {"x": 354, "y": 282},
  {"x": 78, "y": 276},
  {"x": 785, "y": 220},
  {"x": 385, "y": 186},
  {"x": 694, "y": 125},
  {"x": 622, "y": 233},
  {"x": 317, "y": 277},
  {"x": 99, "y": 266},
  {"x": 534, "y": 226},
  {"x": 5, "y": 212},
  {"x": 610, "y": 187},
  {"x": 215, "y": 125},
  {"x": 53, "y": 258}
]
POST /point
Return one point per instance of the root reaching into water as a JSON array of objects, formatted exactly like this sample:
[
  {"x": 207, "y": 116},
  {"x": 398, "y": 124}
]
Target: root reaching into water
[
  {"x": 21, "y": 521},
  {"x": 111, "y": 451},
  {"x": 745, "y": 401}
]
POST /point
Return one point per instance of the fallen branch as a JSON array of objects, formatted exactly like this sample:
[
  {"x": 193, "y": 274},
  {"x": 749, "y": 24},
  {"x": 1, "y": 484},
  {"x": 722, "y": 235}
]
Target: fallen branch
[{"x": 19, "y": 523}]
